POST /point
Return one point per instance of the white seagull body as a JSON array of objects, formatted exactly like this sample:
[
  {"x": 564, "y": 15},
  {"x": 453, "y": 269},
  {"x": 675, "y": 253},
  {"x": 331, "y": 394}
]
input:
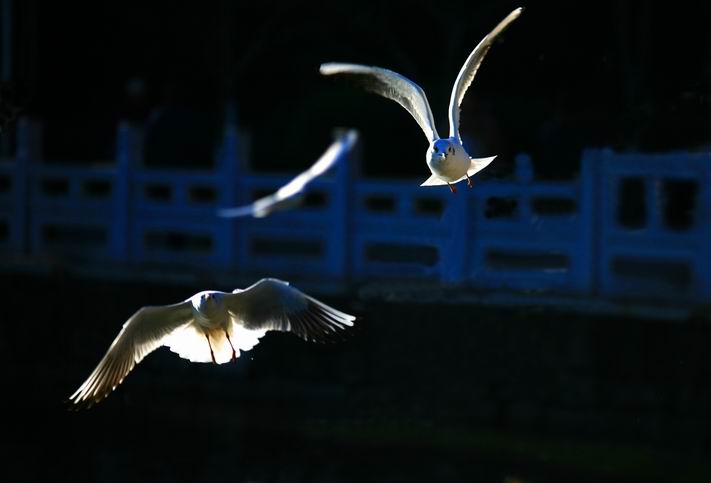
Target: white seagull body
[
  {"x": 290, "y": 194},
  {"x": 446, "y": 158},
  {"x": 212, "y": 326}
]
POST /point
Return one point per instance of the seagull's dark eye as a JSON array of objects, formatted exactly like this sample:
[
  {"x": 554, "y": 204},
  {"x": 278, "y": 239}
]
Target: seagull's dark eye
[{"x": 436, "y": 149}]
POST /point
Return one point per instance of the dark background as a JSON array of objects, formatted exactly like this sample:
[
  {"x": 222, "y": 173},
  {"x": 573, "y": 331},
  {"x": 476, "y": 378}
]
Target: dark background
[
  {"x": 429, "y": 392},
  {"x": 419, "y": 392},
  {"x": 566, "y": 75}
]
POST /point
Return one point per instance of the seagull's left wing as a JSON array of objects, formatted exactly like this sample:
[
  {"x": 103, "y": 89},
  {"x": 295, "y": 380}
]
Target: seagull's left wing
[
  {"x": 144, "y": 332},
  {"x": 285, "y": 197},
  {"x": 391, "y": 85},
  {"x": 271, "y": 304},
  {"x": 469, "y": 69}
]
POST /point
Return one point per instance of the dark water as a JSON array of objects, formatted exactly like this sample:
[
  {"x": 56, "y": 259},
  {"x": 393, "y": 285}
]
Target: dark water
[{"x": 418, "y": 393}]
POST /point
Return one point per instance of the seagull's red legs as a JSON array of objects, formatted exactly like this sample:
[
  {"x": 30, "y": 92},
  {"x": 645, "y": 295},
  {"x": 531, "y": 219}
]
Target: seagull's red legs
[
  {"x": 452, "y": 188},
  {"x": 234, "y": 352},
  {"x": 470, "y": 183},
  {"x": 210, "y": 346}
]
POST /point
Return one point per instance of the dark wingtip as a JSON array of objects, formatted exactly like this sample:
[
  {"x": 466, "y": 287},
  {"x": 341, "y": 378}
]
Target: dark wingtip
[{"x": 76, "y": 406}]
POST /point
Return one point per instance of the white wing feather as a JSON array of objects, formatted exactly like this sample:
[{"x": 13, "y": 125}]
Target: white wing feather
[
  {"x": 393, "y": 86},
  {"x": 469, "y": 69},
  {"x": 144, "y": 332},
  {"x": 271, "y": 304}
]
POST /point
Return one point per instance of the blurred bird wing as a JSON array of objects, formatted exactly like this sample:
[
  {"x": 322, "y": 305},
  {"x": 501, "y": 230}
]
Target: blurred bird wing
[
  {"x": 239, "y": 211},
  {"x": 144, "y": 332},
  {"x": 262, "y": 207},
  {"x": 271, "y": 304},
  {"x": 333, "y": 154},
  {"x": 469, "y": 69},
  {"x": 391, "y": 85},
  {"x": 279, "y": 200}
]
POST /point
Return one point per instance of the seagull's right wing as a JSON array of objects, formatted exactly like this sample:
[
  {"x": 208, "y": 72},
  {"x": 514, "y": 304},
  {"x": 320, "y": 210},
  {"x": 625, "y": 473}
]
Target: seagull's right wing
[
  {"x": 144, "y": 332},
  {"x": 391, "y": 85},
  {"x": 469, "y": 69},
  {"x": 271, "y": 304},
  {"x": 281, "y": 199}
]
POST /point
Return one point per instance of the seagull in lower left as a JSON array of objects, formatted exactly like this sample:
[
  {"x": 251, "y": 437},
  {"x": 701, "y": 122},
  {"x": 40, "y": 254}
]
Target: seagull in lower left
[{"x": 212, "y": 326}]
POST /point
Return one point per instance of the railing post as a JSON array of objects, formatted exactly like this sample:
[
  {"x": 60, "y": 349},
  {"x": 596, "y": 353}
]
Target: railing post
[
  {"x": 454, "y": 261},
  {"x": 28, "y": 155},
  {"x": 229, "y": 167},
  {"x": 587, "y": 247},
  {"x": 345, "y": 175},
  {"x": 29, "y": 140},
  {"x": 703, "y": 225},
  {"x": 129, "y": 154},
  {"x": 237, "y": 150},
  {"x": 524, "y": 177},
  {"x": 605, "y": 206}
]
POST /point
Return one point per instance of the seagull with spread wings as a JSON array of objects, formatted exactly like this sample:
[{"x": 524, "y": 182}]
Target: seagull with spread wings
[
  {"x": 212, "y": 326},
  {"x": 446, "y": 158},
  {"x": 291, "y": 193}
]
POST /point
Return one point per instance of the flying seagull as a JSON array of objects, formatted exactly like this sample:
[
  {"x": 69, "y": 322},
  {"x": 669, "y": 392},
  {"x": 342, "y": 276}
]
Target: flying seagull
[
  {"x": 291, "y": 193},
  {"x": 446, "y": 158},
  {"x": 212, "y": 326}
]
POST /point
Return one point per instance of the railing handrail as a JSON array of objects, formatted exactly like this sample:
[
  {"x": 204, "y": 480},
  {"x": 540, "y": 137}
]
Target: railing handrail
[{"x": 346, "y": 236}]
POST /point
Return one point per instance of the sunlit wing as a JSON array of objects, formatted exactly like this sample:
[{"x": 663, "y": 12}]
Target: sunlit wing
[
  {"x": 144, "y": 332},
  {"x": 469, "y": 69},
  {"x": 391, "y": 85},
  {"x": 274, "y": 305},
  {"x": 282, "y": 198}
]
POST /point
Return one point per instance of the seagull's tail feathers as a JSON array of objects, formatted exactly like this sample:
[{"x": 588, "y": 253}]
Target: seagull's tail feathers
[
  {"x": 477, "y": 164},
  {"x": 190, "y": 342},
  {"x": 434, "y": 180}
]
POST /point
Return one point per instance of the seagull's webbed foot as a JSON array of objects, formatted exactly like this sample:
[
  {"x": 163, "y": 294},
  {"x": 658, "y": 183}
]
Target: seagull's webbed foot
[
  {"x": 470, "y": 183},
  {"x": 234, "y": 352},
  {"x": 212, "y": 353},
  {"x": 452, "y": 188}
]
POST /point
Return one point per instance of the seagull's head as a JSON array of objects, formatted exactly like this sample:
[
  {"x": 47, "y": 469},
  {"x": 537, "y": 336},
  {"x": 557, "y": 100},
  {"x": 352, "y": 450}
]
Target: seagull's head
[
  {"x": 207, "y": 302},
  {"x": 440, "y": 150}
]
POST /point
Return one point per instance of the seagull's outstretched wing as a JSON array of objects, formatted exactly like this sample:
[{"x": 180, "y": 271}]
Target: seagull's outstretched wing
[
  {"x": 144, "y": 332},
  {"x": 271, "y": 304},
  {"x": 288, "y": 195},
  {"x": 468, "y": 71},
  {"x": 391, "y": 85}
]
